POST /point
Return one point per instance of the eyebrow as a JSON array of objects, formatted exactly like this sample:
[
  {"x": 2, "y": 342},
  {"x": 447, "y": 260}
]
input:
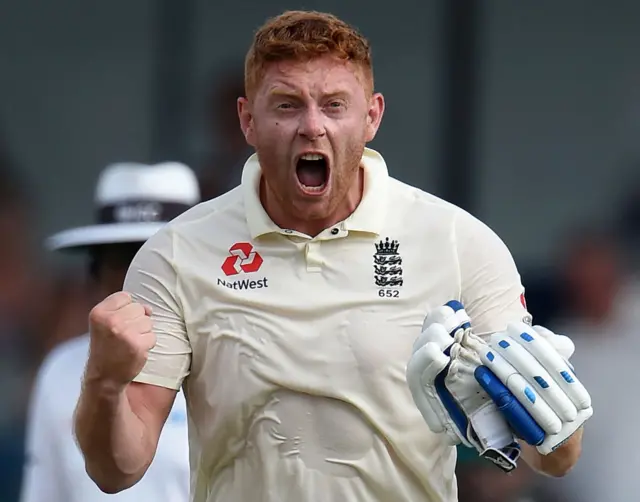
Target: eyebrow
[
  {"x": 282, "y": 93},
  {"x": 337, "y": 94}
]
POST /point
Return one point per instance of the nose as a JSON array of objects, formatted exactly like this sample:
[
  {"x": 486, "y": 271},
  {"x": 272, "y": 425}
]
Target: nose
[{"x": 311, "y": 124}]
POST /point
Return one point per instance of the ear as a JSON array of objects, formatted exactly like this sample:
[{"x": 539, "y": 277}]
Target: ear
[
  {"x": 374, "y": 115},
  {"x": 246, "y": 120}
]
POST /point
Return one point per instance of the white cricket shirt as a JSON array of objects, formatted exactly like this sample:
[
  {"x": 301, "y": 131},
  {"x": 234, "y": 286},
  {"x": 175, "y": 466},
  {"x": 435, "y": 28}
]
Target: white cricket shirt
[
  {"x": 292, "y": 350},
  {"x": 55, "y": 469}
]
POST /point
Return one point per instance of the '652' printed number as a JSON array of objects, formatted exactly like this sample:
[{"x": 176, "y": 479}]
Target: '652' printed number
[{"x": 389, "y": 293}]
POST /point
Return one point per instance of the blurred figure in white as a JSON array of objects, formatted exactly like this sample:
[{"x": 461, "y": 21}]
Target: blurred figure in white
[
  {"x": 603, "y": 317},
  {"x": 133, "y": 202}
]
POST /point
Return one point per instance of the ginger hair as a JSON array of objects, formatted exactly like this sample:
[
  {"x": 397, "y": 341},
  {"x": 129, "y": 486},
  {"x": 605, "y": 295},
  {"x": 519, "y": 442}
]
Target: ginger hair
[{"x": 302, "y": 36}]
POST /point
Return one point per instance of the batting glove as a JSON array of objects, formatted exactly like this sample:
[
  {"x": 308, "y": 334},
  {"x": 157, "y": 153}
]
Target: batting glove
[
  {"x": 441, "y": 378},
  {"x": 533, "y": 364}
]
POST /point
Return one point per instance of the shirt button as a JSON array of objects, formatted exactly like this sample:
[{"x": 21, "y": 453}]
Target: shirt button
[
  {"x": 334, "y": 231},
  {"x": 288, "y": 231}
]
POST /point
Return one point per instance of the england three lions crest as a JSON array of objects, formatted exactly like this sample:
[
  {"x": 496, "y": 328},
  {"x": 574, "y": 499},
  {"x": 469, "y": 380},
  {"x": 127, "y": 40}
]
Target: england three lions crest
[{"x": 387, "y": 264}]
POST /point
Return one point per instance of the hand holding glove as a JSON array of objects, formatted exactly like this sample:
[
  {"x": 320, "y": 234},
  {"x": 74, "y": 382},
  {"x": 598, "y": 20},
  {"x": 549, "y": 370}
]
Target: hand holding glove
[
  {"x": 441, "y": 378},
  {"x": 519, "y": 385},
  {"x": 533, "y": 364}
]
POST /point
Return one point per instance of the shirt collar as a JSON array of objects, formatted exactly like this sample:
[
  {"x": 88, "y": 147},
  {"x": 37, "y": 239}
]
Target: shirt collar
[{"x": 368, "y": 216}]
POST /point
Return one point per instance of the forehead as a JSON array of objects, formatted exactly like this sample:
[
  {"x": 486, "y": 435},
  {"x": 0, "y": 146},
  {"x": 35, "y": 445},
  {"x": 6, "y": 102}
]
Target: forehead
[{"x": 324, "y": 75}]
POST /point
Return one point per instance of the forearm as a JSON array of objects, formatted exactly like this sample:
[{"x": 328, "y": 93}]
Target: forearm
[
  {"x": 557, "y": 463},
  {"x": 116, "y": 443}
]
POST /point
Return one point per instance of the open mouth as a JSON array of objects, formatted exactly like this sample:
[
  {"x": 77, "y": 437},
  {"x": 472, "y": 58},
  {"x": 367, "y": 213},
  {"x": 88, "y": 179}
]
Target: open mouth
[{"x": 312, "y": 170}]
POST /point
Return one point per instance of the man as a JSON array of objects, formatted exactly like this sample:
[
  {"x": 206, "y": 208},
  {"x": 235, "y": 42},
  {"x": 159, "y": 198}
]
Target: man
[
  {"x": 288, "y": 306},
  {"x": 133, "y": 202}
]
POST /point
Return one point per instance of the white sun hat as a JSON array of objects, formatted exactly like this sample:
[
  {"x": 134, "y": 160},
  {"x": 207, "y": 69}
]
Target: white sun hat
[{"x": 132, "y": 202}]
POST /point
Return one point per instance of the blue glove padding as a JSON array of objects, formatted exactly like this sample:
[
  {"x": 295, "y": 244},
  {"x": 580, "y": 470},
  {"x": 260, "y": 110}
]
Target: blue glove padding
[
  {"x": 517, "y": 416},
  {"x": 533, "y": 364}
]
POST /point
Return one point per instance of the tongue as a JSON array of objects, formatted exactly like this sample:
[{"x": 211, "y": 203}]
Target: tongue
[{"x": 311, "y": 173}]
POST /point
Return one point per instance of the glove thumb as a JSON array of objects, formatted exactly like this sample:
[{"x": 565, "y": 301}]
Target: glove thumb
[
  {"x": 426, "y": 364},
  {"x": 423, "y": 368}
]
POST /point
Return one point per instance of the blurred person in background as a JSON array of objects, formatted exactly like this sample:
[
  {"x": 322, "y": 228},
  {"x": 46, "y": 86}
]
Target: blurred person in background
[
  {"x": 22, "y": 311},
  {"x": 596, "y": 285},
  {"x": 223, "y": 168},
  {"x": 603, "y": 316},
  {"x": 133, "y": 202}
]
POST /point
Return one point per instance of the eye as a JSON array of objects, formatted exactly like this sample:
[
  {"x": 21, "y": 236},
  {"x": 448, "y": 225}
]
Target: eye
[
  {"x": 285, "y": 106},
  {"x": 335, "y": 106}
]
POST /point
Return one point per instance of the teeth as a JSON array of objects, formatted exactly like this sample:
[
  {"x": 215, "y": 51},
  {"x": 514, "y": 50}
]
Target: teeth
[
  {"x": 312, "y": 156},
  {"x": 314, "y": 189}
]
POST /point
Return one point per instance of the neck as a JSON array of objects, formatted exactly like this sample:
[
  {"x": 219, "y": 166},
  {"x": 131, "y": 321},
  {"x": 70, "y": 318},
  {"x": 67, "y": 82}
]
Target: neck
[{"x": 312, "y": 226}]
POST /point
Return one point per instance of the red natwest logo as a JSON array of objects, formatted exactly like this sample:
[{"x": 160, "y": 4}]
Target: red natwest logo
[{"x": 242, "y": 258}]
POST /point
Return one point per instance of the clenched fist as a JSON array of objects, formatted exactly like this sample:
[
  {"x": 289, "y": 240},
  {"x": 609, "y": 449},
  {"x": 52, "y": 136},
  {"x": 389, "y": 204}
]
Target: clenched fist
[{"x": 121, "y": 337}]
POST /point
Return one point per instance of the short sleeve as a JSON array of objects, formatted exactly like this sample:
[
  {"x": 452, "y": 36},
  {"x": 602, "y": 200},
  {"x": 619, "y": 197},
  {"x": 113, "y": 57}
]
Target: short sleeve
[
  {"x": 41, "y": 479},
  {"x": 152, "y": 280},
  {"x": 491, "y": 287}
]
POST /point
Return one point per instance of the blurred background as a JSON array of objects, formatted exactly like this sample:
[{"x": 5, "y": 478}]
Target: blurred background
[{"x": 527, "y": 114}]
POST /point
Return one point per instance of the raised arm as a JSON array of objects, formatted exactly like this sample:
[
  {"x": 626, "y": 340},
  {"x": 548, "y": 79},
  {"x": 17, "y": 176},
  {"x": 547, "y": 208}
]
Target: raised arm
[{"x": 139, "y": 355}]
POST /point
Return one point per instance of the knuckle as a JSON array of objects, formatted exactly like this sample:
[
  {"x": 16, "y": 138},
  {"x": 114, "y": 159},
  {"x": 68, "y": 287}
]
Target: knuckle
[
  {"x": 130, "y": 334},
  {"x": 100, "y": 319},
  {"x": 96, "y": 315},
  {"x": 134, "y": 310},
  {"x": 120, "y": 296},
  {"x": 116, "y": 301},
  {"x": 114, "y": 325}
]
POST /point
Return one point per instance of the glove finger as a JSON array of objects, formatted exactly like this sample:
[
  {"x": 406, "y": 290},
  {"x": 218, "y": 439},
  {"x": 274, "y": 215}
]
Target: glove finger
[
  {"x": 451, "y": 315},
  {"x": 463, "y": 360},
  {"x": 426, "y": 364},
  {"x": 563, "y": 344},
  {"x": 568, "y": 429},
  {"x": 436, "y": 334},
  {"x": 534, "y": 404},
  {"x": 558, "y": 367},
  {"x": 438, "y": 315},
  {"x": 517, "y": 416},
  {"x": 533, "y": 372},
  {"x": 472, "y": 342}
]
